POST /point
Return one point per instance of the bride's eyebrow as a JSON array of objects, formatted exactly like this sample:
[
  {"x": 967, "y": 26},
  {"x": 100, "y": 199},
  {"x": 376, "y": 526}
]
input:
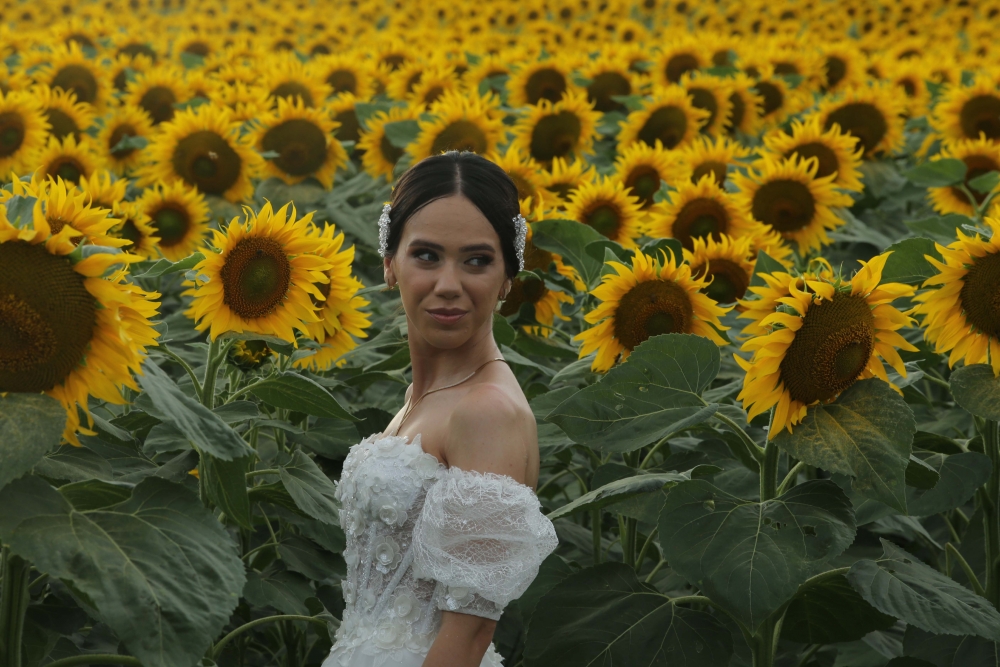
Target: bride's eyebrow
[{"x": 477, "y": 247}]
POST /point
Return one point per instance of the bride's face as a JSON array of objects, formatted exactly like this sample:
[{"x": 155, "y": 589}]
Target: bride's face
[{"x": 450, "y": 272}]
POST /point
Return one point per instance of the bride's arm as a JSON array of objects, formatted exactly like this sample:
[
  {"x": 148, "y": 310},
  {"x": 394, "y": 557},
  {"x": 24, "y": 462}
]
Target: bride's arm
[{"x": 462, "y": 641}]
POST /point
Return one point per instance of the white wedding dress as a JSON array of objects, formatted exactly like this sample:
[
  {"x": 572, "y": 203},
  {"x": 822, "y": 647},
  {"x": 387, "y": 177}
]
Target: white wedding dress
[{"x": 421, "y": 538}]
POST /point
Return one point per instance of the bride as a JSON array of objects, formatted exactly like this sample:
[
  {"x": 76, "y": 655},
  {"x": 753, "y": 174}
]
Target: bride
[{"x": 443, "y": 526}]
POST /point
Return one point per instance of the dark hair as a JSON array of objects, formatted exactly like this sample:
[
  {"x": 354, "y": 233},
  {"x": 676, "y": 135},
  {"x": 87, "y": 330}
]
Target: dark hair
[{"x": 482, "y": 182}]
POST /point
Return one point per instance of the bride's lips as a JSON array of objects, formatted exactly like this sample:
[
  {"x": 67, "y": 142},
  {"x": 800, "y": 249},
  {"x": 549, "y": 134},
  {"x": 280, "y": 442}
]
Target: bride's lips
[{"x": 447, "y": 315}]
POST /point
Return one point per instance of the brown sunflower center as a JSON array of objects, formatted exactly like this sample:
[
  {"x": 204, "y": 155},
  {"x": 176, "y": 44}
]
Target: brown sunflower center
[
  {"x": 67, "y": 168},
  {"x": 390, "y": 153},
  {"x": 130, "y": 232},
  {"x": 79, "y": 79},
  {"x": 729, "y": 280},
  {"x": 668, "y": 124},
  {"x": 606, "y": 85},
  {"x": 460, "y": 135},
  {"x": 138, "y": 49},
  {"x": 774, "y": 98},
  {"x": 739, "y": 111},
  {"x": 651, "y": 308},
  {"x": 702, "y": 98},
  {"x": 679, "y": 65},
  {"x": 47, "y": 318},
  {"x": 717, "y": 169},
  {"x": 864, "y": 121},
  {"x": 555, "y": 135},
  {"x": 536, "y": 258},
  {"x": 62, "y": 124},
  {"x": 545, "y": 84},
  {"x": 981, "y": 114},
  {"x": 525, "y": 188},
  {"x": 350, "y": 129},
  {"x": 721, "y": 58},
  {"x": 119, "y": 133},
  {"x": 11, "y": 133},
  {"x": 831, "y": 349},
  {"x": 172, "y": 223},
  {"x": 562, "y": 190},
  {"x": 605, "y": 218},
  {"x": 207, "y": 161},
  {"x": 159, "y": 102},
  {"x": 255, "y": 277},
  {"x": 521, "y": 292},
  {"x": 785, "y": 205},
  {"x": 197, "y": 48},
  {"x": 700, "y": 218},
  {"x": 980, "y": 295},
  {"x": 825, "y": 157},
  {"x": 300, "y": 144},
  {"x": 644, "y": 182},
  {"x": 342, "y": 81},
  {"x": 975, "y": 165},
  {"x": 292, "y": 89},
  {"x": 836, "y": 70}
]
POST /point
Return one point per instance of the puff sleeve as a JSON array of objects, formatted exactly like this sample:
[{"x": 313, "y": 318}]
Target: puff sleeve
[{"x": 482, "y": 537}]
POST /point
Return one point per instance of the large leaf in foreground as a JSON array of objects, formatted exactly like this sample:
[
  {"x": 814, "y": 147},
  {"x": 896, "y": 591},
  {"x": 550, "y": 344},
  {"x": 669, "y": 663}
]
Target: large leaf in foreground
[
  {"x": 301, "y": 394},
  {"x": 977, "y": 390},
  {"x": 866, "y": 433},
  {"x": 312, "y": 491},
  {"x": 900, "y": 585},
  {"x": 951, "y": 651},
  {"x": 161, "y": 571},
  {"x": 31, "y": 426},
  {"x": 829, "y": 611},
  {"x": 655, "y": 392},
  {"x": 749, "y": 556},
  {"x": 618, "y": 490},
  {"x": 604, "y": 616},
  {"x": 960, "y": 476}
]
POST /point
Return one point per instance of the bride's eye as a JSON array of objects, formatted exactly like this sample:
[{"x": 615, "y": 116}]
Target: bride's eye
[
  {"x": 425, "y": 255},
  {"x": 480, "y": 260}
]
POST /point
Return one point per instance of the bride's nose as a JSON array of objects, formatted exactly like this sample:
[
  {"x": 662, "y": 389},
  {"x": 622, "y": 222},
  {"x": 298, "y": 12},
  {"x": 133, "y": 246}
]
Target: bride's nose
[{"x": 449, "y": 283}]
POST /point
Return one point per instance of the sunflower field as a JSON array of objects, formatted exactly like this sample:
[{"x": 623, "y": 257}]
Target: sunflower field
[{"x": 759, "y": 321}]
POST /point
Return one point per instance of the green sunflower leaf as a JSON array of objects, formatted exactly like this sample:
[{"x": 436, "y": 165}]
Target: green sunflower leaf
[
  {"x": 312, "y": 491},
  {"x": 621, "y": 489},
  {"x": 866, "y": 433},
  {"x": 163, "y": 267},
  {"x": 908, "y": 264},
  {"x": 752, "y": 557},
  {"x": 959, "y": 477},
  {"x": 297, "y": 392},
  {"x": 938, "y": 173},
  {"x": 829, "y": 611},
  {"x": 402, "y": 133},
  {"x": 570, "y": 239},
  {"x": 764, "y": 264},
  {"x": 985, "y": 183},
  {"x": 977, "y": 390},
  {"x": 939, "y": 228},
  {"x": 226, "y": 484},
  {"x": 950, "y": 650},
  {"x": 31, "y": 426}
]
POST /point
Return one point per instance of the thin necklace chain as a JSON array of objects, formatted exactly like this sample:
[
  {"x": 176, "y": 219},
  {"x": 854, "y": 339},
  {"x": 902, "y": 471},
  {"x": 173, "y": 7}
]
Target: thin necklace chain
[{"x": 413, "y": 404}]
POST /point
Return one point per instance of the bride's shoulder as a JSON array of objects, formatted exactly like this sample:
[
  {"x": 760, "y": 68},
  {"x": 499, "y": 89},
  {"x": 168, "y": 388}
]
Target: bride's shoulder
[{"x": 491, "y": 429}]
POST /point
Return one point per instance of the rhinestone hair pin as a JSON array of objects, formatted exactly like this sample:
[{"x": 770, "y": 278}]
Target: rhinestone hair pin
[{"x": 383, "y": 230}]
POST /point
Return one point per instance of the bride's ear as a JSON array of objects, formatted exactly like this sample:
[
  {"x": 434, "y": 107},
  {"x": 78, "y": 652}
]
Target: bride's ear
[
  {"x": 388, "y": 272},
  {"x": 505, "y": 289}
]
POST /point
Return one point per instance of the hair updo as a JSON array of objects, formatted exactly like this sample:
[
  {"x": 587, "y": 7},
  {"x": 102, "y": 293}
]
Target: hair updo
[{"x": 458, "y": 173}]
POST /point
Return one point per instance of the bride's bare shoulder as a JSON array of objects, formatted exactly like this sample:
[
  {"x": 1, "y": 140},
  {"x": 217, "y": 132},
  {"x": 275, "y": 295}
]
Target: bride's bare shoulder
[{"x": 492, "y": 429}]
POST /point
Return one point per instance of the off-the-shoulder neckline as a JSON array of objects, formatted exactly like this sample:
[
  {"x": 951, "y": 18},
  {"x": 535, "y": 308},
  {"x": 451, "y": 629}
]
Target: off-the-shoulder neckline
[{"x": 418, "y": 442}]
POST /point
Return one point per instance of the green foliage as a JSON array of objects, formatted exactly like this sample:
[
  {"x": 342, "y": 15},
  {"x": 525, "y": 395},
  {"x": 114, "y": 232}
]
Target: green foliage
[
  {"x": 297, "y": 392},
  {"x": 30, "y": 427},
  {"x": 977, "y": 390},
  {"x": 570, "y": 239}
]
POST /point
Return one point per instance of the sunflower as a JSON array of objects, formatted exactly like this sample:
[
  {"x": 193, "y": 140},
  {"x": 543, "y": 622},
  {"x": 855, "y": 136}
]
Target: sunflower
[
  {"x": 668, "y": 118},
  {"x": 546, "y": 303},
  {"x": 642, "y": 168},
  {"x": 523, "y": 171},
  {"x": 340, "y": 312},
  {"x": 63, "y": 205},
  {"x": 843, "y": 66},
  {"x": 67, "y": 159},
  {"x": 747, "y": 106},
  {"x": 23, "y": 131},
  {"x": 728, "y": 263},
  {"x": 980, "y": 156},
  {"x": 609, "y": 77},
  {"x": 342, "y": 109},
  {"x": 403, "y": 81},
  {"x": 873, "y": 114},
  {"x": 124, "y": 122},
  {"x": 787, "y": 196},
  {"x": 245, "y": 101},
  {"x": 345, "y": 73},
  {"x": 287, "y": 77},
  {"x": 649, "y": 298},
  {"x": 134, "y": 226},
  {"x": 777, "y": 286},
  {"x": 380, "y": 155},
  {"x": 961, "y": 313},
  {"x": 69, "y": 69},
  {"x": 712, "y": 95},
  {"x": 65, "y": 115},
  {"x": 677, "y": 59},
  {"x": 965, "y": 112},
  {"x": 908, "y": 76},
  {"x": 195, "y": 44},
  {"x": 12, "y": 79},
  {"x": 69, "y": 330},
  {"x": 261, "y": 275},
  {"x": 435, "y": 82},
  {"x": 464, "y": 122},
  {"x": 202, "y": 147},
  {"x": 779, "y": 100},
  {"x": 102, "y": 189},
  {"x": 561, "y": 130},
  {"x": 706, "y": 155},
  {"x": 123, "y": 69},
  {"x": 830, "y": 333},
  {"x": 698, "y": 210},
  {"x": 605, "y": 206},
  {"x": 304, "y": 140},
  {"x": 492, "y": 72},
  {"x": 180, "y": 216},
  {"x": 562, "y": 180},
  {"x": 157, "y": 91},
  {"x": 538, "y": 80},
  {"x": 835, "y": 153}
]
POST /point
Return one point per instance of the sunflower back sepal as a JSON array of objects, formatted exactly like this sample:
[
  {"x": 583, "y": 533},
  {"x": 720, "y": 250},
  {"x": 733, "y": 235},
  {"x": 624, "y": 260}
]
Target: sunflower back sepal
[
  {"x": 163, "y": 266},
  {"x": 20, "y": 210}
]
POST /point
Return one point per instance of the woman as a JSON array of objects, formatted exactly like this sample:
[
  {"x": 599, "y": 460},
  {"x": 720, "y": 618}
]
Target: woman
[{"x": 443, "y": 527}]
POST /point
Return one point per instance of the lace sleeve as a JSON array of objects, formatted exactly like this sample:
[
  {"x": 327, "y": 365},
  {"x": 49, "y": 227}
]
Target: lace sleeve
[{"x": 482, "y": 536}]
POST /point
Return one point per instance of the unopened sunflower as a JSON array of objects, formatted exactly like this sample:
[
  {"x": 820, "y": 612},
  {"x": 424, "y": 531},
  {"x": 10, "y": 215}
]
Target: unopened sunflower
[
  {"x": 835, "y": 152},
  {"x": 698, "y": 210},
  {"x": 652, "y": 296},
  {"x": 961, "y": 311},
  {"x": 261, "y": 275},
  {"x": 180, "y": 216},
  {"x": 728, "y": 264},
  {"x": 78, "y": 331},
  {"x": 668, "y": 118},
  {"x": 566, "y": 129},
  {"x": 462, "y": 122},
  {"x": 23, "y": 132},
  {"x": 873, "y": 114},
  {"x": 303, "y": 139},
  {"x": 980, "y": 156},
  {"x": 835, "y": 333},
  {"x": 606, "y": 207},
  {"x": 202, "y": 147},
  {"x": 125, "y": 122},
  {"x": 787, "y": 196}
]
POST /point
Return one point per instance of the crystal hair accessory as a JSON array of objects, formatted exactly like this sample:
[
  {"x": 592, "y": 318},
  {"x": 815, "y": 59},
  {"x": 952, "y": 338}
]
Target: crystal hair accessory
[
  {"x": 383, "y": 230},
  {"x": 520, "y": 236}
]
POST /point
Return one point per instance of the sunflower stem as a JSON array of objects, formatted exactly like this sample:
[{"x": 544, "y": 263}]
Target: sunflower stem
[
  {"x": 595, "y": 528},
  {"x": 752, "y": 447},
  {"x": 212, "y": 361},
  {"x": 14, "y": 596},
  {"x": 187, "y": 368},
  {"x": 790, "y": 477},
  {"x": 991, "y": 512},
  {"x": 952, "y": 552},
  {"x": 769, "y": 472}
]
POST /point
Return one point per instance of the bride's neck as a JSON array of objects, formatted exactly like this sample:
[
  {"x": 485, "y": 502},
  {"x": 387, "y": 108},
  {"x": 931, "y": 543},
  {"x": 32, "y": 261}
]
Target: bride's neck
[{"x": 433, "y": 367}]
